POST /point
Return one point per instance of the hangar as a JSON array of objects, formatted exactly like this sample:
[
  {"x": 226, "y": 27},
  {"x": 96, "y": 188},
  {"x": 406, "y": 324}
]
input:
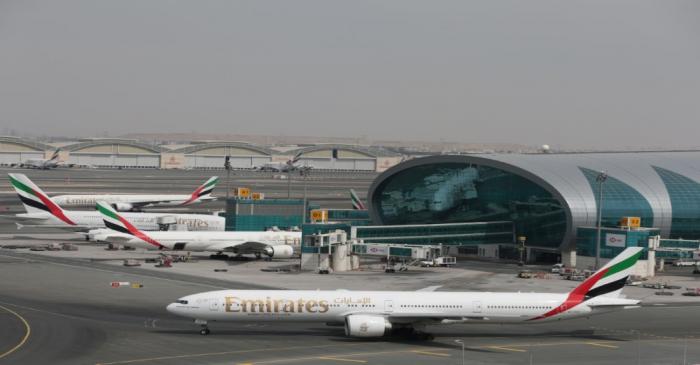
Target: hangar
[
  {"x": 113, "y": 152},
  {"x": 14, "y": 150},
  {"x": 346, "y": 157},
  {"x": 212, "y": 154},
  {"x": 548, "y": 196}
]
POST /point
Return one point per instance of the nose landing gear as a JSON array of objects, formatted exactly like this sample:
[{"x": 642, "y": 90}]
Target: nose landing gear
[{"x": 205, "y": 330}]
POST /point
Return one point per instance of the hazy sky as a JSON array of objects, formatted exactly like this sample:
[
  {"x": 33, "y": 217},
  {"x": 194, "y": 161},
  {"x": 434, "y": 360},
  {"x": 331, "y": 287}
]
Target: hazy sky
[{"x": 570, "y": 73}]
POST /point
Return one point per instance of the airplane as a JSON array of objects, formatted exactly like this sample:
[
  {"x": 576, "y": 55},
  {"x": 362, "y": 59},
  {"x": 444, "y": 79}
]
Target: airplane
[
  {"x": 357, "y": 203},
  {"x": 44, "y": 212},
  {"x": 274, "y": 244},
  {"x": 380, "y": 313},
  {"x": 135, "y": 202},
  {"x": 42, "y": 163},
  {"x": 288, "y": 166}
]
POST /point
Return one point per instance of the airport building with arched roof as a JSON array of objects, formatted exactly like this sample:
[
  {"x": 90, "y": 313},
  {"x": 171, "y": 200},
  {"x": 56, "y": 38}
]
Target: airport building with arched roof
[
  {"x": 206, "y": 155},
  {"x": 15, "y": 150},
  {"x": 346, "y": 157},
  {"x": 547, "y": 197},
  {"x": 113, "y": 152}
]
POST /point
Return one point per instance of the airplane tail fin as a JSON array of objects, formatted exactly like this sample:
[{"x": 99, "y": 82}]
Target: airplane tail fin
[
  {"x": 357, "y": 204},
  {"x": 606, "y": 283},
  {"x": 203, "y": 190},
  {"x": 609, "y": 280},
  {"x": 34, "y": 199},
  {"x": 116, "y": 222},
  {"x": 54, "y": 157}
]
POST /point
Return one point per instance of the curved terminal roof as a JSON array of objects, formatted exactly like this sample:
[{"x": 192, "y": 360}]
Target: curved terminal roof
[
  {"x": 105, "y": 145},
  {"x": 223, "y": 148},
  {"x": 345, "y": 151},
  {"x": 16, "y": 144},
  {"x": 571, "y": 179}
]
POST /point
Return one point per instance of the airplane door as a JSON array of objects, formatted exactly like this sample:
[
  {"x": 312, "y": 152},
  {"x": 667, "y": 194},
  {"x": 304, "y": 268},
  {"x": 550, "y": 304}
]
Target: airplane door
[
  {"x": 388, "y": 306},
  {"x": 476, "y": 306}
]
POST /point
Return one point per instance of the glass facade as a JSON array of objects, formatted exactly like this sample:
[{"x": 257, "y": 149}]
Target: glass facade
[
  {"x": 685, "y": 203},
  {"x": 447, "y": 234},
  {"x": 619, "y": 200},
  {"x": 463, "y": 192},
  {"x": 587, "y": 238}
]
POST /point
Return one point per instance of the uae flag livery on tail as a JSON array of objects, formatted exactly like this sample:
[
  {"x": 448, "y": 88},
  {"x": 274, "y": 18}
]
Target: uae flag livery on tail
[
  {"x": 606, "y": 282},
  {"x": 35, "y": 200},
  {"x": 357, "y": 204},
  {"x": 114, "y": 221},
  {"x": 203, "y": 190}
]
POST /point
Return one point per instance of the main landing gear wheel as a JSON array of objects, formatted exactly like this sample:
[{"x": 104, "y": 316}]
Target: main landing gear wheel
[
  {"x": 423, "y": 336},
  {"x": 204, "y": 331}
]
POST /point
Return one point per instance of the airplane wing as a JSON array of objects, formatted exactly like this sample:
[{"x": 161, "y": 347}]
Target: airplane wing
[
  {"x": 242, "y": 248},
  {"x": 430, "y": 288},
  {"x": 116, "y": 238},
  {"x": 62, "y": 227}
]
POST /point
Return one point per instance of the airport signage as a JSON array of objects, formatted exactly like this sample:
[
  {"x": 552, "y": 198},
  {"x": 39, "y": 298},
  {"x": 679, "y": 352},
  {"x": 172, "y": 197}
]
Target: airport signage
[{"x": 615, "y": 240}]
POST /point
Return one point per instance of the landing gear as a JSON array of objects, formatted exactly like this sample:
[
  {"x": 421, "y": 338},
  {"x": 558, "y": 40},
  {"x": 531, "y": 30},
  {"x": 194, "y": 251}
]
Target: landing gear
[
  {"x": 205, "y": 330},
  {"x": 411, "y": 333},
  {"x": 219, "y": 256},
  {"x": 424, "y": 336}
]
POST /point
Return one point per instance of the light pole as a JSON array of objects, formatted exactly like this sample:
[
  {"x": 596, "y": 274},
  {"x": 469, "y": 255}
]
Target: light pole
[
  {"x": 227, "y": 166},
  {"x": 304, "y": 171},
  {"x": 461, "y": 343},
  {"x": 600, "y": 179}
]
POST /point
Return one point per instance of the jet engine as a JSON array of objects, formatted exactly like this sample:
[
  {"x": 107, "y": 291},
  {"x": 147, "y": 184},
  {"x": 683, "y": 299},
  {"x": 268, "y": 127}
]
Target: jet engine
[
  {"x": 361, "y": 325},
  {"x": 122, "y": 207},
  {"x": 279, "y": 252}
]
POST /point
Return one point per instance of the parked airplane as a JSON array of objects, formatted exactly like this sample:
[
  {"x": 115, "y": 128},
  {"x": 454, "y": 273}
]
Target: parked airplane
[
  {"x": 43, "y": 212},
  {"x": 134, "y": 202},
  {"x": 287, "y": 166},
  {"x": 357, "y": 203},
  {"x": 377, "y": 313},
  {"x": 275, "y": 244},
  {"x": 42, "y": 163}
]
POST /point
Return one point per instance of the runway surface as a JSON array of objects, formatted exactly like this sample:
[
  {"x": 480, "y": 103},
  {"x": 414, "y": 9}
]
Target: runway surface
[{"x": 77, "y": 318}]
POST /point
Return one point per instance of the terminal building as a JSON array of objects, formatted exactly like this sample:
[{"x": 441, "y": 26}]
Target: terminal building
[{"x": 548, "y": 198}]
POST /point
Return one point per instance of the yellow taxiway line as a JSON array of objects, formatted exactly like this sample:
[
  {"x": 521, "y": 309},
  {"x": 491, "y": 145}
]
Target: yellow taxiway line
[
  {"x": 27, "y": 330},
  {"x": 504, "y": 348},
  {"x": 430, "y": 353},
  {"x": 602, "y": 345},
  {"x": 340, "y": 359}
]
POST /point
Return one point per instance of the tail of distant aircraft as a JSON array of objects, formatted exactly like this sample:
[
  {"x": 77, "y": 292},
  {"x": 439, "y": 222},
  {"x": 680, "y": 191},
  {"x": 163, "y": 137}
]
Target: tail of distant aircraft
[
  {"x": 203, "y": 190},
  {"x": 54, "y": 157},
  {"x": 357, "y": 204},
  {"x": 116, "y": 222},
  {"x": 34, "y": 199},
  {"x": 606, "y": 282}
]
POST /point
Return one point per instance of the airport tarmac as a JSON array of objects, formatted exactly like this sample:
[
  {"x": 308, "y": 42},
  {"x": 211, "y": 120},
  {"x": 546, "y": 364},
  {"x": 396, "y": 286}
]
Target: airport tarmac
[
  {"x": 59, "y": 307},
  {"x": 61, "y": 310}
]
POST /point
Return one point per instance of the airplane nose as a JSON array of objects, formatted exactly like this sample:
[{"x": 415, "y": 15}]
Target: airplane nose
[{"x": 171, "y": 308}]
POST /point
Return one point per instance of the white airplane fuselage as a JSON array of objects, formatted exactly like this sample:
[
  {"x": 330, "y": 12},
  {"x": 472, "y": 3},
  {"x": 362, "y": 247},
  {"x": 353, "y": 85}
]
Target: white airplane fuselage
[
  {"x": 208, "y": 241},
  {"x": 87, "y": 200},
  {"x": 337, "y": 305},
  {"x": 143, "y": 221}
]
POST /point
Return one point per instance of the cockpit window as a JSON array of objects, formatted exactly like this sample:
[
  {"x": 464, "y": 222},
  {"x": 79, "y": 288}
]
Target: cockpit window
[{"x": 181, "y": 301}]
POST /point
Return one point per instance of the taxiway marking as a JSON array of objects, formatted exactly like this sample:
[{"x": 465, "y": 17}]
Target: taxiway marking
[{"x": 27, "y": 330}]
